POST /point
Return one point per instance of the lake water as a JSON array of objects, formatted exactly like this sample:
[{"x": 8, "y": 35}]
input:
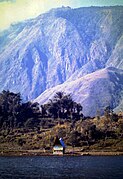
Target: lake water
[{"x": 81, "y": 167}]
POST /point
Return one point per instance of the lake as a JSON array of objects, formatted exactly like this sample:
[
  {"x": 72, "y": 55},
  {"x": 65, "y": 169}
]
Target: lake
[{"x": 44, "y": 167}]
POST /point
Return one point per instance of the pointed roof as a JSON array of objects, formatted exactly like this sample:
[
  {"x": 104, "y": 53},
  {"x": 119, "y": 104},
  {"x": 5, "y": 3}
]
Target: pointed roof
[{"x": 57, "y": 142}]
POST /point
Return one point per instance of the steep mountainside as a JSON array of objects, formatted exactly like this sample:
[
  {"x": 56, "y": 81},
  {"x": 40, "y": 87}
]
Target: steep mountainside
[
  {"x": 63, "y": 46},
  {"x": 94, "y": 91}
]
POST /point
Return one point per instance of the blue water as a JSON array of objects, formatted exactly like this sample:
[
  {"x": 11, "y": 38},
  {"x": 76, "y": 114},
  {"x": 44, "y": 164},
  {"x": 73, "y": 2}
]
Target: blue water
[{"x": 84, "y": 167}]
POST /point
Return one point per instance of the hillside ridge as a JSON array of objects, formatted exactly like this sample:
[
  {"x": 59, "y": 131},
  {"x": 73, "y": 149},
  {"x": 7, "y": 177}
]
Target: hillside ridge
[{"x": 61, "y": 46}]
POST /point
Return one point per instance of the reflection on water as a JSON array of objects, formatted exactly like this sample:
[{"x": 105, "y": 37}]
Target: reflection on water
[{"x": 84, "y": 167}]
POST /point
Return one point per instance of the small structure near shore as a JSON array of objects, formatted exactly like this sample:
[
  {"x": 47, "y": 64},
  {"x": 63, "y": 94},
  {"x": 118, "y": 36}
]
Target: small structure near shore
[{"x": 58, "y": 147}]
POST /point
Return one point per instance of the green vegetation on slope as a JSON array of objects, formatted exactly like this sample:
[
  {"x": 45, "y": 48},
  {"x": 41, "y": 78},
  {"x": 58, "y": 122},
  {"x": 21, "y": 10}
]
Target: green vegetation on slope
[{"x": 24, "y": 126}]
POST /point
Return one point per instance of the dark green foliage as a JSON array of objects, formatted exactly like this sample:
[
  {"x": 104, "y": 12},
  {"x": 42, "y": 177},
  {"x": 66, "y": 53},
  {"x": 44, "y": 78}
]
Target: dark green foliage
[
  {"x": 62, "y": 106},
  {"x": 21, "y": 142},
  {"x": 114, "y": 117},
  {"x": 26, "y": 117},
  {"x": 74, "y": 138},
  {"x": 61, "y": 133},
  {"x": 14, "y": 113},
  {"x": 31, "y": 123},
  {"x": 121, "y": 127},
  {"x": 109, "y": 114},
  {"x": 107, "y": 111},
  {"x": 10, "y": 104}
]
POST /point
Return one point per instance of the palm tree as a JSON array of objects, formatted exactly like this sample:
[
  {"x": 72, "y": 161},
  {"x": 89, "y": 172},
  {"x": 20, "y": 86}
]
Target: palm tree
[
  {"x": 62, "y": 106},
  {"x": 58, "y": 96},
  {"x": 79, "y": 109}
]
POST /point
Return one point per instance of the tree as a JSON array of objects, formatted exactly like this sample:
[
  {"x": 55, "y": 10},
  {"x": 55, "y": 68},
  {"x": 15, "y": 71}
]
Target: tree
[
  {"x": 43, "y": 110},
  {"x": 73, "y": 139},
  {"x": 10, "y": 106},
  {"x": 62, "y": 106},
  {"x": 13, "y": 111},
  {"x": 107, "y": 111},
  {"x": 21, "y": 142},
  {"x": 35, "y": 107},
  {"x": 79, "y": 110},
  {"x": 58, "y": 104},
  {"x": 114, "y": 117},
  {"x": 98, "y": 115}
]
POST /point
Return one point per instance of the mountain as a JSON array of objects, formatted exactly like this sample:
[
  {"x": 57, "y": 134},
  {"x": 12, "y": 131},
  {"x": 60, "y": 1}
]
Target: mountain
[
  {"x": 64, "y": 46},
  {"x": 94, "y": 91}
]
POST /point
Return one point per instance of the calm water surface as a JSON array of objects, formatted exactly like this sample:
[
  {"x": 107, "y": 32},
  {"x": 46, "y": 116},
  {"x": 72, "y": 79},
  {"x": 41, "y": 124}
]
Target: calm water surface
[{"x": 84, "y": 167}]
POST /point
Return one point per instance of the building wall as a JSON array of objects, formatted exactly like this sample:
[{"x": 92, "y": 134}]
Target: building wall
[{"x": 58, "y": 150}]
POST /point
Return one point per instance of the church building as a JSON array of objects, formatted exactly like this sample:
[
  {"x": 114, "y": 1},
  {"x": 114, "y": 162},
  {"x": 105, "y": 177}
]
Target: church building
[{"x": 58, "y": 147}]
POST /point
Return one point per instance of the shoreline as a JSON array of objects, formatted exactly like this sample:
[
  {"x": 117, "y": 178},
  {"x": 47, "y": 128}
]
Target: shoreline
[{"x": 30, "y": 153}]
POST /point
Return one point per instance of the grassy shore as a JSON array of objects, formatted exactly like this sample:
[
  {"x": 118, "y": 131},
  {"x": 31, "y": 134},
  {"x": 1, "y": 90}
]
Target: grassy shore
[
  {"x": 88, "y": 137},
  {"x": 50, "y": 153}
]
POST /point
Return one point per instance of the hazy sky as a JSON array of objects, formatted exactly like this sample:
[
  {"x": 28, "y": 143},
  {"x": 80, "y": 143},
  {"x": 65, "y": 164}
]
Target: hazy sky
[{"x": 17, "y": 10}]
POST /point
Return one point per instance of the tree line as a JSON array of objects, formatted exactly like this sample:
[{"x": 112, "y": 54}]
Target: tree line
[
  {"x": 62, "y": 106},
  {"x": 14, "y": 113}
]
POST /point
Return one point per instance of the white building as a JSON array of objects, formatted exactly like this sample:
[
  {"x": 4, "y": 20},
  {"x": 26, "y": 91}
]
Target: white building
[{"x": 59, "y": 147}]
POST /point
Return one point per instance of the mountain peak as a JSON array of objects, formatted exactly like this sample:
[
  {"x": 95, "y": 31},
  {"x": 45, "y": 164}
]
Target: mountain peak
[{"x": 64, "y": 47}]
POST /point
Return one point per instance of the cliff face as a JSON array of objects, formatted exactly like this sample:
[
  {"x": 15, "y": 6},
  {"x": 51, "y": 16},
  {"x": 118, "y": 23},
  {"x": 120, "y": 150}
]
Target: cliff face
[{"x": 62, "y": 47}]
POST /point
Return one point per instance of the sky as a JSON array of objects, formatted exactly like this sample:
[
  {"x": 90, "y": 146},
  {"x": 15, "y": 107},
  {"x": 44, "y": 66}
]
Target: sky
[{"x": 12, "y": 11}]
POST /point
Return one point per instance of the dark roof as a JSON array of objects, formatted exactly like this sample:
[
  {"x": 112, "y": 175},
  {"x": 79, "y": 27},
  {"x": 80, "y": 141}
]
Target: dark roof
[{"x": 57, "y": 142}]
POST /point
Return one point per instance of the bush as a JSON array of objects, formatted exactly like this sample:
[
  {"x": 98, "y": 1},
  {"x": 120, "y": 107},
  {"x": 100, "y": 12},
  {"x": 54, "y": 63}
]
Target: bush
[{"x": 20, "y": 142}]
